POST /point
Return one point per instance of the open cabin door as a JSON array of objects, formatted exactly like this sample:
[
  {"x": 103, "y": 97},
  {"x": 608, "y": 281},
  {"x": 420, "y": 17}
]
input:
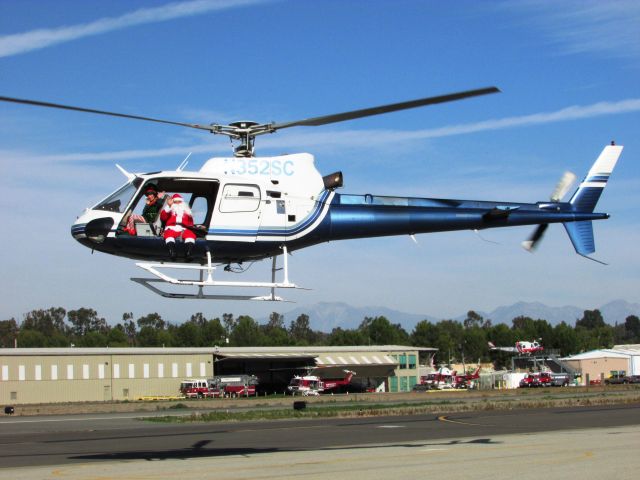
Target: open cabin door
[{"x": 199, "y": 193}]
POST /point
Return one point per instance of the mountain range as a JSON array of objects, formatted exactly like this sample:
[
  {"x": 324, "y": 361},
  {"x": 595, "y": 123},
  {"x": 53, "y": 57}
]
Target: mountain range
[{"x": 325, "y": 316}]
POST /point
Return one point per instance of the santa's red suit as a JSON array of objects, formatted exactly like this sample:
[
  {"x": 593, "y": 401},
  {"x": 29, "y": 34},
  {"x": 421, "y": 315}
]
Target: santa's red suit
[{"x": 176, "y": 217}]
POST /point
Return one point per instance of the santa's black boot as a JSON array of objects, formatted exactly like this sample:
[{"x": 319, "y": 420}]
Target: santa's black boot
[
  {"x": 172, "y": 250},
  {"x": 188, "y": 250}
]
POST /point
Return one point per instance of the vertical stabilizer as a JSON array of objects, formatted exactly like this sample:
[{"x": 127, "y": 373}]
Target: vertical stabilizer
[
  {"x": 581, "y": 235},
  {"x": 589, "y": 191}
]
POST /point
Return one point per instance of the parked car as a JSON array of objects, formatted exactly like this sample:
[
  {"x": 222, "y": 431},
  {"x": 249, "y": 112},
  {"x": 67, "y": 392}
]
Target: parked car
[
  {"x": 617, "y": 377},
  {"x": 560, "y": 379},
  {"x": 422, "y": 387}
]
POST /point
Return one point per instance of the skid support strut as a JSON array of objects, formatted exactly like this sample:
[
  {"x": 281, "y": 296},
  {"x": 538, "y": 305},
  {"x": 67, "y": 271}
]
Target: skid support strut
[{"x": 202, "y": 282}]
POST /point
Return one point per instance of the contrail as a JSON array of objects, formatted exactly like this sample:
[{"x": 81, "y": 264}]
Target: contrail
[{"x": 36, "y": 39}]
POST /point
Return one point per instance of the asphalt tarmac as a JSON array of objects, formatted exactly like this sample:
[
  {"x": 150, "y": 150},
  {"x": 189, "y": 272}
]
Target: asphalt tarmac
[{"x": 583, "y": 442}]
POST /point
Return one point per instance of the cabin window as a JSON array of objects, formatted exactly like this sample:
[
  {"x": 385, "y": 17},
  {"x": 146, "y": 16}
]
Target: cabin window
[
  {"x": 240, "y": 198},
  {"x": 118, "y": 200},
  {"x": 199, "y": 210}
]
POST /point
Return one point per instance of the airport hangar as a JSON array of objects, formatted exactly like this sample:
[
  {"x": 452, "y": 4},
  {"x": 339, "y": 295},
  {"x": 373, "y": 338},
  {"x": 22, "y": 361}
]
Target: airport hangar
[{"x": 52, "y": 375}]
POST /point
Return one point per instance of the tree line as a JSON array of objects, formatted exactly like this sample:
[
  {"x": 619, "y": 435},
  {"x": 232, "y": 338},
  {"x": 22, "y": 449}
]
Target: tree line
[{"x": 455, "y": 341}]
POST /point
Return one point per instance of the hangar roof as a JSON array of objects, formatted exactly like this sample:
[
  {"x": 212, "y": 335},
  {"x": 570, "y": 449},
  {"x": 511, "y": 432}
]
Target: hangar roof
[
  {"x": 632, "y": 349},
  {"x": 598, "y": 354},
  {"x": 264, "y": 355},
  {"x": 355, "y": 360},
  {"x": 226, "y": 351}
]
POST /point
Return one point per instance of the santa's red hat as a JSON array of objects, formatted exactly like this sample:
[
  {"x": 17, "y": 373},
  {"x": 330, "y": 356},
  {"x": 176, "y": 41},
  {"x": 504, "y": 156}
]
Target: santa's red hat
[{"x": 176, "y": 196}]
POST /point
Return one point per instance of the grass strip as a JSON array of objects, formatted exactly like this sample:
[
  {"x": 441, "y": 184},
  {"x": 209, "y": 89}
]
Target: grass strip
[{"x": 368, "y": 410}]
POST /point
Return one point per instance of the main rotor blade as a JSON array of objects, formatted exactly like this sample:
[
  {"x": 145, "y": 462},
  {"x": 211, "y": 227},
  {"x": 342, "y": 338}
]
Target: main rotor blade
[
  {"x": 394, "y": 107},
  {"x": 38, "y": 103}
]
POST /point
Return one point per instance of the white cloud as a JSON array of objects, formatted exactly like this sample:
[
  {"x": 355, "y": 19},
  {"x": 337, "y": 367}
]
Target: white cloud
[
  {"x": 24, "y": 42},
  {"x": 587, "y": 26}
]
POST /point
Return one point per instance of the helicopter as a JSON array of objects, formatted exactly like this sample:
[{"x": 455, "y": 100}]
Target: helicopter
[
  {"x": 312, "y": 385},
  {"x": 247, "y": 208},
  {"x": 522, "y": 347}
]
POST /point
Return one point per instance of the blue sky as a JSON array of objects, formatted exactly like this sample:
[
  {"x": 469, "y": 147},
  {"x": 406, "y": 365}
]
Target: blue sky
[{"x": 570, "y": 80}]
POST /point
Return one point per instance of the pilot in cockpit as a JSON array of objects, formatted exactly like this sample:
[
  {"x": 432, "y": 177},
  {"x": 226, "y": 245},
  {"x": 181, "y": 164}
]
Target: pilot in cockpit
[{"x": 154, "y": 202}]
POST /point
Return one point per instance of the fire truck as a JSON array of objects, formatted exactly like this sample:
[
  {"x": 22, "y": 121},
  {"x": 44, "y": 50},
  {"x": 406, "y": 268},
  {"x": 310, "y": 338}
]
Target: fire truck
[
  {"x": 198, "y": 388},
  {"x": 234, "y": 385}
]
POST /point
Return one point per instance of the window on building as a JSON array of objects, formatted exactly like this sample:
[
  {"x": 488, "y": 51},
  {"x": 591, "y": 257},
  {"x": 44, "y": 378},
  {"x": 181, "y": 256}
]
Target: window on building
[
  {"x": 132, "y": 370},
  {"x": 161, "y": 370},
  {"x": 393, "y": 384},
  {"x": 402, "y": 359},
  {"x": 188, "y": 371},
  {"x": 54, "y": 372},
  {"x": 21, "y": 373},
  {"x": 203, "y": 369},
  {"x": 404, "y": 384},
  {"x": 101, "y": 371},
  {"x": 69, "y": 372},
  {"x": 5, "y": 373},
  {"x": 174, "y": 370},
  {"x": 145, "y": 370},
  {"x": 116, "y": 370},
  {"x": 85, "y": 372},
  {"x": 38, "y": 372},
  {"x": 412, "y": 362}
]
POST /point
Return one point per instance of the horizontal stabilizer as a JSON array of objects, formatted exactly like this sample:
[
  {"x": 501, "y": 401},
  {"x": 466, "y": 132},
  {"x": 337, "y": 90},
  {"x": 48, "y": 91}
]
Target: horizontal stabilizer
[{"x": 581, "y": 235}]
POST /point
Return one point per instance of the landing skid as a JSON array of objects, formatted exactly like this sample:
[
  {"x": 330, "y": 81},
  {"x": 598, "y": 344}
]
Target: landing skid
[{"x": 208, "y": 269}]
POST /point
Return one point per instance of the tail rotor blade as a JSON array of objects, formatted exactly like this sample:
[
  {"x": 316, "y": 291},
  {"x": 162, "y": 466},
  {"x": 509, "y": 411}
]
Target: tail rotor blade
[
  {"x": 563, "y": 186},
  {"x": 559, "y": 191},
  {"x": 532, "y": 242}
]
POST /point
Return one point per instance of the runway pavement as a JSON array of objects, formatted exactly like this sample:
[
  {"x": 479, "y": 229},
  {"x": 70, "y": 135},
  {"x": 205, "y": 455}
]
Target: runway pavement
[{"x": 556, "y": 443}]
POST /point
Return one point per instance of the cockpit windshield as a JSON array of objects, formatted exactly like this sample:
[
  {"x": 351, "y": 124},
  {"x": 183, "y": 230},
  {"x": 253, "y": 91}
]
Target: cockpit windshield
[{"x": 118, "y": 200}]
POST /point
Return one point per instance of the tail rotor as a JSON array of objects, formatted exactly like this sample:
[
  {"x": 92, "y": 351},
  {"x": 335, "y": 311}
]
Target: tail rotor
[{"x": 561, "y": 189}]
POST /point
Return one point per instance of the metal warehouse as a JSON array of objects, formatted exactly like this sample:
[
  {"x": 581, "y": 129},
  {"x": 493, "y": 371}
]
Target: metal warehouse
[
  {"x": 599, "y": 363},
  {"x": 50, "y": 375}
]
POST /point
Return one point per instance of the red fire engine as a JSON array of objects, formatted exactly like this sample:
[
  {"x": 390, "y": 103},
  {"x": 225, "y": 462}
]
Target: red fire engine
[
  {"x": 198, "y": 388},
  {"x": 234, "y": 385}
]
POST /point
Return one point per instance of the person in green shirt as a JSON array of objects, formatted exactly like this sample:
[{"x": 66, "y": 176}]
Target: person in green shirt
[
  {"x": 153, "y": 204},
  {"x": 154, "y": 201}
]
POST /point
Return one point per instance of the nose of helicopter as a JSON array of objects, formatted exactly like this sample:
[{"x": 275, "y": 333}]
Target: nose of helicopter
[{"x": 88, "y": 227}]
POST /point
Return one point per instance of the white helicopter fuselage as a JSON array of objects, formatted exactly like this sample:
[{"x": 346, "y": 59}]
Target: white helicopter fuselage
[
  {"x": 238, "y": 201},
  {"x": 251, "y": 208}
]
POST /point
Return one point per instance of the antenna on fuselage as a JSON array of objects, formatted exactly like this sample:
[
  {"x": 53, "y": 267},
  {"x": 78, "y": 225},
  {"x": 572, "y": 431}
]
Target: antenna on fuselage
[
  {"x": 184, "y": 163},
  {"x": 130, "y": 176}
]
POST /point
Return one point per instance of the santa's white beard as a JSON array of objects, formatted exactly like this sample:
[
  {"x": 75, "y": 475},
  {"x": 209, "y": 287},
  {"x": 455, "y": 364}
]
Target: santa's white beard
[{"x": 180, "y": 209}]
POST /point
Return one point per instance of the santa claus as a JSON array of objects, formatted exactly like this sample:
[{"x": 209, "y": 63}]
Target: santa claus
[{"x": 177, "y": 218}]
